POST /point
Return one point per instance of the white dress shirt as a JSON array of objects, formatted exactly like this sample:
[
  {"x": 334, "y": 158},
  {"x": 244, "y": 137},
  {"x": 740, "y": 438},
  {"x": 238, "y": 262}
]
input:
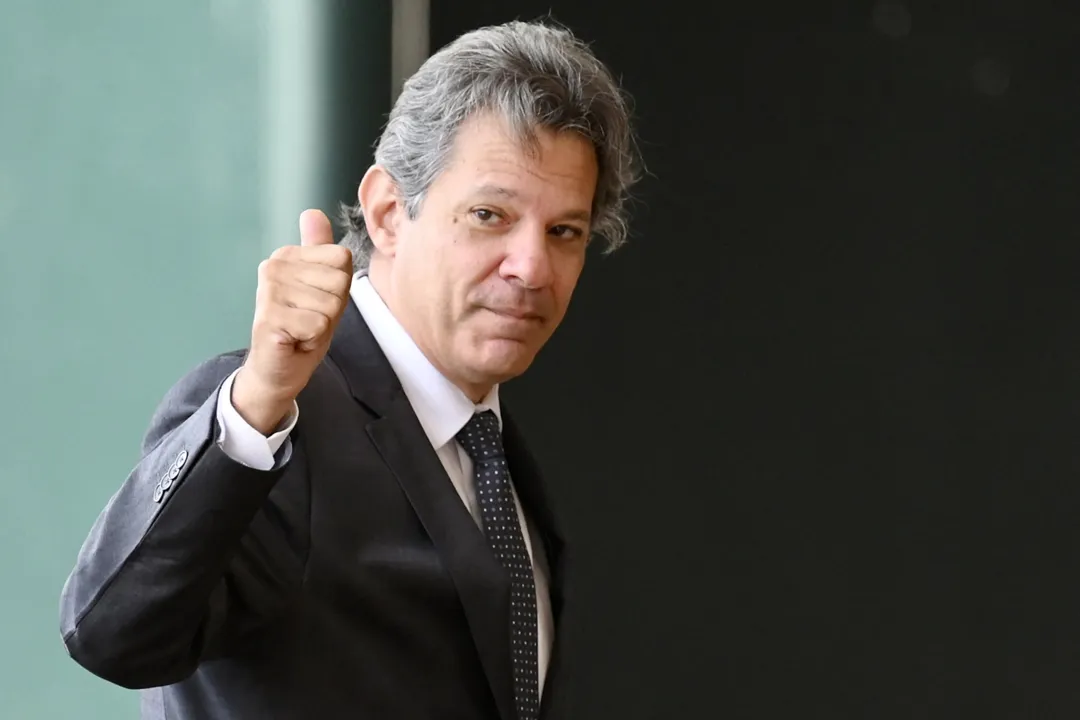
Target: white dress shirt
[{"x": 442, "y": 410}]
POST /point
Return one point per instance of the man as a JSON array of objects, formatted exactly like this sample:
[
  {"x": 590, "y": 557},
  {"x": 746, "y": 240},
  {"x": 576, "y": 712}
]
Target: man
[{"x": 343, "y": 521}]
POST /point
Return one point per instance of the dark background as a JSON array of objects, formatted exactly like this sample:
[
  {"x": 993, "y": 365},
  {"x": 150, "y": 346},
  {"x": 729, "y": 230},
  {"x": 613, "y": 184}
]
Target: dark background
[{"x": 814, "y": 430}]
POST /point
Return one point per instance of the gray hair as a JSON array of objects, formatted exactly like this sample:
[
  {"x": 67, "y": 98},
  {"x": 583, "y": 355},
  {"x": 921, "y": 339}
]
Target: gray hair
[{"x": 535, "y": 76}]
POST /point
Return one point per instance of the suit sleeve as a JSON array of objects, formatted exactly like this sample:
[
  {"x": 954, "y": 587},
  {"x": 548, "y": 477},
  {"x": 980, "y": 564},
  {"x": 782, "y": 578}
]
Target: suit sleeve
[{"x": 193, "y": 552}]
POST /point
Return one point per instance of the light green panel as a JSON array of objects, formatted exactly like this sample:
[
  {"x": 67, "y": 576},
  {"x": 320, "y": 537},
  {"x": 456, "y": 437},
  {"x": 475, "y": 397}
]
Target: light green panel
[{"x": 150, "y": 155}]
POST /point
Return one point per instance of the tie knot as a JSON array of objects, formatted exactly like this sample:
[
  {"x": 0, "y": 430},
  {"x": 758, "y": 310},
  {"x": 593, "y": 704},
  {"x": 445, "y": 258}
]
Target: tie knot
[{"x": 481, "y": 437}]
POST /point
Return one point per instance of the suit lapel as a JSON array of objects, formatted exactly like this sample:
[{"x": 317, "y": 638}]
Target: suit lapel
[{"x": 482, "y": 584}]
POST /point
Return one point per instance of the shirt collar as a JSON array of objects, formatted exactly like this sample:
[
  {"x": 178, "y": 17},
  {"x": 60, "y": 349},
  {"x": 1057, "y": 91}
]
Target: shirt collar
[{"x": 440, "y": 406}]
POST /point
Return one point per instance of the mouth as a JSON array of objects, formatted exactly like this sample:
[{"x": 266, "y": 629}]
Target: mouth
[{"x": 518, "y": 315}]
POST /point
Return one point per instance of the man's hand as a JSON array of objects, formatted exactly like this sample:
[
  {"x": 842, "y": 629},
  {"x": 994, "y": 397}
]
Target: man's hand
[{"x": 303, "y": 291}]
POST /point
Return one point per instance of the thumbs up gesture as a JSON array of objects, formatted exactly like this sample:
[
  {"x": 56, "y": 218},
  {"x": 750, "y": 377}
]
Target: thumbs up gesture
[{"x": 303, "y": 291}]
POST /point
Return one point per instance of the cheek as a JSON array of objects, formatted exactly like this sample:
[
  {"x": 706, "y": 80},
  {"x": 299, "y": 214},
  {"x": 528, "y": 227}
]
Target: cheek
[
  {"x": 567, "y": 281},
  {"x": 478, "y": 277}
]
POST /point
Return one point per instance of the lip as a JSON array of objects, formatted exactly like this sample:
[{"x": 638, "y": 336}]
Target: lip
[{"x": 512, "y": 314}]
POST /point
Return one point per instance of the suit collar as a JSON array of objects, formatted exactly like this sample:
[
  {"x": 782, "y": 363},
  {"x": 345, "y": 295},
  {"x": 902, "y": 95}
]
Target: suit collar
[
  {"x": 440, "y": 406},
  {"x": 364, "y": 368},
  {"x": 372, "y": 381}
]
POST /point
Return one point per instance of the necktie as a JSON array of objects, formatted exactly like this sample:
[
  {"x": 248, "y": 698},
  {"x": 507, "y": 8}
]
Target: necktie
[{"x": 482, "y": 440}]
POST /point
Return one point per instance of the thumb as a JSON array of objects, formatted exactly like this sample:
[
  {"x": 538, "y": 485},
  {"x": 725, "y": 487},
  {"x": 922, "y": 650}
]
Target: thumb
[{"x": 315, "y": 228}]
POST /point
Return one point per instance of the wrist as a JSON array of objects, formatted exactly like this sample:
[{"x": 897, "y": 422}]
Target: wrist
[{"x": 261, "y": 407}]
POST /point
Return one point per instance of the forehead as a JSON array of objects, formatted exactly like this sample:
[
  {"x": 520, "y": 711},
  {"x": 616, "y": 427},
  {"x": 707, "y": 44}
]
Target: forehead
[{"x": 487, "y": 154}]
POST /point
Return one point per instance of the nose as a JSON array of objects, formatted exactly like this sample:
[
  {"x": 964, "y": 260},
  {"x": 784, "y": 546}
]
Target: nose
[{"x": 528, "y": 261}]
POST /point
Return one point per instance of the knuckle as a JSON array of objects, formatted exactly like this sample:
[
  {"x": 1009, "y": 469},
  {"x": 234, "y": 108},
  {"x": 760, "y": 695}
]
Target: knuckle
[
  {"x": 346, "y": 259},
  {"x": 332, "y": 306},
  {"x": 283, "y": 253},
  {"x": 342, "y": 281},
  {"x": 343, "y": 256},
  {"x": 320, "y": 324},
  {"x": 336, "y": 288},
  {"x": 271, "y": 268},
  {"x": 334, "y": 256}
]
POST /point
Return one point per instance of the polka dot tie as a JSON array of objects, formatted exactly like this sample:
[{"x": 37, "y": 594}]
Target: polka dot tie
[{"x": 482, "y": 440}]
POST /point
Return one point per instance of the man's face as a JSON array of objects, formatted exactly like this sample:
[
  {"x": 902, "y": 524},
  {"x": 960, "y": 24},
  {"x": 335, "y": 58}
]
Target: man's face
[{"x": 483, "y": 276}]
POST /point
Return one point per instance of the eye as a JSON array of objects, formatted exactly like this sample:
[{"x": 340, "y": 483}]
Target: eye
[
  {"x": 485, "y": 216},
  {"x": 567, "y": 232}
]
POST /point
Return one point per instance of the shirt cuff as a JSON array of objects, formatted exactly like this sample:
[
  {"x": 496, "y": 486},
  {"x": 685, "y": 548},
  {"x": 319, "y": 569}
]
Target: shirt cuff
[{"x": 245, "y": 444}]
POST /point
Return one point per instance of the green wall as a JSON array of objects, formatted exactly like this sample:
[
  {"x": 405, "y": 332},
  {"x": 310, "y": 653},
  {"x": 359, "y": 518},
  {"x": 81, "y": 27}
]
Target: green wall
[{"x": 150, "y": 155}]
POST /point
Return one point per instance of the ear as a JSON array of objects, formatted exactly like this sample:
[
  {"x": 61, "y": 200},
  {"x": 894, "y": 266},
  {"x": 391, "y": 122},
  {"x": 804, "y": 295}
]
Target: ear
[{"x": 383, "y": 210}]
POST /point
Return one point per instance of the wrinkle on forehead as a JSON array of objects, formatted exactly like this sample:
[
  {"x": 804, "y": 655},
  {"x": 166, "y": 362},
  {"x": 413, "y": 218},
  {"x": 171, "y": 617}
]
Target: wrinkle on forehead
[
  {"x": 488, "y": 161},
  {"x": 527, "y": 150}
]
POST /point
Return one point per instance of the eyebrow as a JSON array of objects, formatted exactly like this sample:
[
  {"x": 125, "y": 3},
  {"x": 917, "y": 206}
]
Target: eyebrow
[
  {"x": 497, "y": 190},
  {"x": 505, "y": 192}
]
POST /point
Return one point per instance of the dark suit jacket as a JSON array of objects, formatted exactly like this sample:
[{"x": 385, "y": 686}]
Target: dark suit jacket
[{"x": 348, "y": 582}]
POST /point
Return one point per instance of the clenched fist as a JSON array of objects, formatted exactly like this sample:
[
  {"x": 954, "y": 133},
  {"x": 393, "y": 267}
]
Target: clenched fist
[{"x": 303, "y": 291}]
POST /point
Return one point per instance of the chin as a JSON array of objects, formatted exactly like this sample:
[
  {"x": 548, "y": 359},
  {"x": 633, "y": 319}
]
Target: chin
[{"x": 504, "y": 359}]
